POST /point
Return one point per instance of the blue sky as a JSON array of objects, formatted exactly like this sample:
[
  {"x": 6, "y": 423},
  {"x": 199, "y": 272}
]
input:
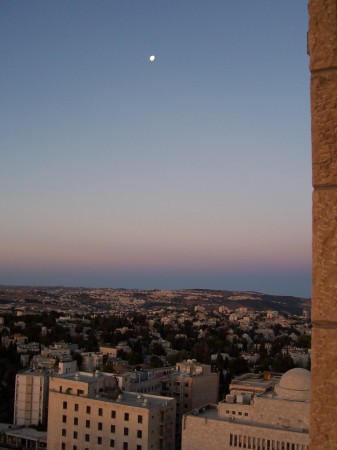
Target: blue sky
[{"x": 191, "y": 171}]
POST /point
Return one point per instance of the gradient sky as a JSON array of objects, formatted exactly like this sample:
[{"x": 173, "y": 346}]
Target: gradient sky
[{"x": 193, "y": 171}]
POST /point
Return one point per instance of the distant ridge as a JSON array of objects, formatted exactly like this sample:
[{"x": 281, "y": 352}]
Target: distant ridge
[{"x": 99, "y": 298}]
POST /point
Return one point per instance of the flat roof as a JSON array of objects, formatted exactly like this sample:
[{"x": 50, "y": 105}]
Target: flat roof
[{"x": 27, "y": 433}]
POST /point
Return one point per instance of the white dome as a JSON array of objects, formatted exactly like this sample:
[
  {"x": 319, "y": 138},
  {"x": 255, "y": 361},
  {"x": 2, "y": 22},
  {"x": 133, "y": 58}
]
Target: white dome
[{"x": 294, "y": 385}]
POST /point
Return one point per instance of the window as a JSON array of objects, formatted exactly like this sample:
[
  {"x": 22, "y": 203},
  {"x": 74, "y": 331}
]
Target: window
[
  {"x": 126, "y": 416},
  {"x": 112, "y": 443},
  {"x": 64, "y": 432},
  {"x": 125, "y": 446},
  {"x": 100, "y": 411},
  {"x": 87, "y": 423},
  {"x": 74, "y": 447},
  {"x": 65, "y": 405},
  {"x": 63, "y": 446},
  {"x": 112, "y": 428},
  {"x": 64, "y": 419},
  {"x": 80, "y": 392},
  {"x": 87, "y": 437},
  {"x": 139, "y": 447},
  {"x": 99, "y": 440},
  {"x": 113, "y": 414},
  {"x": 76, "y": 407},
  {"x": 139, "y": 434},
  {"x": 88, "y": 410},
  {"x": 126, "y": 431},
  {"x": 75, "y": 434},
  {"x": 100, "y": 426},
  {"x": 140, "y": 419},
  {"x": 75, "y": 420}
]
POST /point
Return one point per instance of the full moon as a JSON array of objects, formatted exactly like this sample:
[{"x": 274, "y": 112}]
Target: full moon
[{"x": 152, "y": 58}]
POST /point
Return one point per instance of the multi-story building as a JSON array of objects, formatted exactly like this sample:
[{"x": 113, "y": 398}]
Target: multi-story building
[
  {"x": 57, "y": 350},
  {"x": 89, "y": 412},
  {"x": 192, "y": 385},
  {"x": 276, "y": 419},
  {"x": 91, "y": 361},
  {"x": 109, "y": 351},
  {"x": 31, "y": 397}
]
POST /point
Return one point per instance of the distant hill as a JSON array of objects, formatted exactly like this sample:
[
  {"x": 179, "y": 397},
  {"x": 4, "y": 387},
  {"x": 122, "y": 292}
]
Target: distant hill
[{"x": 100, "y": 298}]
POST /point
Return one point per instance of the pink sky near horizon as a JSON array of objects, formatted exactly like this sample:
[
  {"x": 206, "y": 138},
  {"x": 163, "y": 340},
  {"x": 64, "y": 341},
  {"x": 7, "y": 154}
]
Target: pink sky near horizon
[{"x": 115, "y": 170}]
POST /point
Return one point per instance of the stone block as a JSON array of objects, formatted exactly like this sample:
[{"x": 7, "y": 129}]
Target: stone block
[
  {"x": 322, "y": 43},
  {"x": 323, "y": 430},
  {"x": 324, "y": 255},
  {"x": 324, "y": 128}
]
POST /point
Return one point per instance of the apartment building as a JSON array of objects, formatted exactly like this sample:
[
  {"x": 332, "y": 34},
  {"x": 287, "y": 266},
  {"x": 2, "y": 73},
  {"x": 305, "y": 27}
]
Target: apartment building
[
  {"x": 31, "y": 397},
  {"x": 88, "y": 411},
  {"x": 192, "y": 385},
  {"x": 91, "y": 361}
]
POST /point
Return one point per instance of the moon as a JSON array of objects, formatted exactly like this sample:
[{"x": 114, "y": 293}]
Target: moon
[{"x": 152, "y": 58}]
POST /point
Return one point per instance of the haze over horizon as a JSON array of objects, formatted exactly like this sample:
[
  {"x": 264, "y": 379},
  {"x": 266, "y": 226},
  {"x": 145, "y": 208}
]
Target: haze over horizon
[{"x": 192, "y": 171}]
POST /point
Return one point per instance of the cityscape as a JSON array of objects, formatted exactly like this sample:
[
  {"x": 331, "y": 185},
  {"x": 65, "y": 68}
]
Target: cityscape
[
  {"x": 135, "y": 369},
  {"x": 168, "y": 225}
]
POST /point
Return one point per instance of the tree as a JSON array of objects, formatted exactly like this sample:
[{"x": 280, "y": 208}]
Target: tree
[
  {"x": 134, "y": 358},
  {"x": 155, "y": 361},
  {"x": 108, "y": 367},
  {"x": 237, "y": 366},
  {"x": 219, "y": 362},
  {"x": 282, "y": 363},
  {"x": 157, "y": 349},
  {"x": 304, "y": 341}
]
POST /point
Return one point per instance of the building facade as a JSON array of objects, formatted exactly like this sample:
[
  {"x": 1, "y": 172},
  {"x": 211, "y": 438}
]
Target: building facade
[
  {"x": 89, "y": 412},
  {"x": 31, "y": 397},
  {"x": 276, "y": 419},
  {"x": 192, "y": 385}
]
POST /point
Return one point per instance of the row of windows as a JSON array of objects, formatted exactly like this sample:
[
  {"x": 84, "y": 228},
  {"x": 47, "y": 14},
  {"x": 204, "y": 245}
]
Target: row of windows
[
  {"x": 113, "y": 429},
  {"x": 99, "y": 427},
  {"x": 149, "y": 389},
  {"x": 240, "y": 441},
  {"x": 100, "y": 412},
  {"x": 239, "y": 413},
  {"x": 99, "y": 442}
]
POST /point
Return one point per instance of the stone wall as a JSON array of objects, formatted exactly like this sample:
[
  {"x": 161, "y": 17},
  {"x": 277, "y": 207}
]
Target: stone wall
[{"x": 322, "y": 47}]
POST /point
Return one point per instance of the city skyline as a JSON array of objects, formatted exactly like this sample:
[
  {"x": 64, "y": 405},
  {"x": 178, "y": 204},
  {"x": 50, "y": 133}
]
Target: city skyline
[{"x": 189, "y": 171}]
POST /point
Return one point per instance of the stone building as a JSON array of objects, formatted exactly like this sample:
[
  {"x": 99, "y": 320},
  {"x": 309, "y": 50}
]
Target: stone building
[
  {"x": 89, "y": 412},
  {"x": 277, "y": 419},
  {"x": 31, "y": 397},
  {"x": 91, "y": 361},
  {"x": 192, "y": 385}
]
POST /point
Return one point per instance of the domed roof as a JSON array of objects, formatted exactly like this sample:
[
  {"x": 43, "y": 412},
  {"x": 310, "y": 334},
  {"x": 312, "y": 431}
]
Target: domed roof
[{"x": 294, "y": 385}]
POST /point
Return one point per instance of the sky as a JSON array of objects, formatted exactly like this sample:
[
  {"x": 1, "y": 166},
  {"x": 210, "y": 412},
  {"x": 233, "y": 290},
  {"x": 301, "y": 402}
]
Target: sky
[{"x": 192, "y": 171}]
